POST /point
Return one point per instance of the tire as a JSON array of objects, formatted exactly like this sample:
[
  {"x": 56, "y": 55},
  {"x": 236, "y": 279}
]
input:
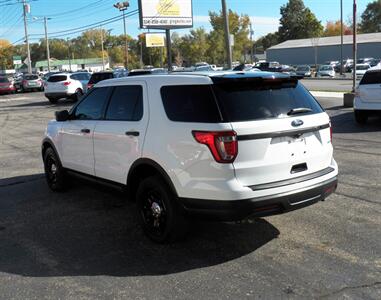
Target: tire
[
  {"x": 55, "y": 174},
  {"x": 77, "y": 95},
  {"x": 52, "y": 100},
  {"x": 159, "y": 212},
  {"x": 361, "y": 117}
]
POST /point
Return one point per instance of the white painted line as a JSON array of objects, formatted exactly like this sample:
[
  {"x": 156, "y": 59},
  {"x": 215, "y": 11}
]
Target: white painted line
[{"x": 327, "y": 94}]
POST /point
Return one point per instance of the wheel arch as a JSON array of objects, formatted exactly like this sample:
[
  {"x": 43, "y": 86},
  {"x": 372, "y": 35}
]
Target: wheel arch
[
  {"x": 47, "y": 143},
  {"x": 143, "y": 168}
]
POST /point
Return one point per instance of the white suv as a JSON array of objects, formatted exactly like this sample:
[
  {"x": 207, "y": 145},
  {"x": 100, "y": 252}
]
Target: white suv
[
  {"x": 66, "y": 85},
  {"x": 220, "y": 147},
  {"x": 368, "y": 95}
]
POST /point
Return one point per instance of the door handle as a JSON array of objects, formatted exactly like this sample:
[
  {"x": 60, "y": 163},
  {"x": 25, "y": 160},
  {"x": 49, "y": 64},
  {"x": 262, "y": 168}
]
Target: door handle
[
  {"x": 85, "y": 130},
  {"x": 132, "y": 133}
]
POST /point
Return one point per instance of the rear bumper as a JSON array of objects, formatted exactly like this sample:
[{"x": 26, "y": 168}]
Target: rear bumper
[
  {"x": 258, "y": 207},
  {"x": 7, "y": 90},
  {"x": 58, "y": 95},
  {"x": 358, "y": 104}
]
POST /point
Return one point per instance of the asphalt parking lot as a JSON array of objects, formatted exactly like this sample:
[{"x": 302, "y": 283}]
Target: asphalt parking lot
[{"x": 85, "y": 244}]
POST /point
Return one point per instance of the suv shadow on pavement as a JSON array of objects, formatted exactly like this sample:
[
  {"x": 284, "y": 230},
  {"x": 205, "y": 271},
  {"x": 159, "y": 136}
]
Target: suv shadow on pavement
[
  {"x": 64, "y": 102},
  {"x": 344, "y": 122},
  {"x": 89, "y": 231}
]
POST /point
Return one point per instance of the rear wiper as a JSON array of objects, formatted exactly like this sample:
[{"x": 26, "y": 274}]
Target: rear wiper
[{"x": 299, "y": 110}]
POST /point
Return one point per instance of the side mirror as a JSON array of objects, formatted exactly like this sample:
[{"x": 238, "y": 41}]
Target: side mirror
[{"x": 62, "y": 116}]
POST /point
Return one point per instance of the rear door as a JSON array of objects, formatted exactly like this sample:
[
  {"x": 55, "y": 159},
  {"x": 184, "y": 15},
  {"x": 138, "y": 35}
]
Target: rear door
[
  {"x": 77, "y": 134},
  {"x": 118, "y": 139},
  {"x": 282, "y": 131},
  {"x": 370, "y": 86}
]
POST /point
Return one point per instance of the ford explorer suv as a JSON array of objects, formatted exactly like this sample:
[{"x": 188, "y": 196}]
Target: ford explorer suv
[
  {"x": 218, "y": 146},
  {"x": 367, "y": 100}
]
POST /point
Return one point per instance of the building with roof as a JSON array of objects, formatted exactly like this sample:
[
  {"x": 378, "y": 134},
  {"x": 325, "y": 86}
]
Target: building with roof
[
  {"x": 304, "y": 51},
  {"x": 90, "y": 64}
]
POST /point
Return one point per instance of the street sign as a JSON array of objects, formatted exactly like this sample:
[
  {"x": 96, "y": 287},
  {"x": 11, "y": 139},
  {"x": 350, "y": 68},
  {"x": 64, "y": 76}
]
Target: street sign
[
  {"x": 17, "y": 60},
  {"x": 165, "y": 14},
  {"x": 155, "y": 40},
  {"x": 231, "y": 37}
]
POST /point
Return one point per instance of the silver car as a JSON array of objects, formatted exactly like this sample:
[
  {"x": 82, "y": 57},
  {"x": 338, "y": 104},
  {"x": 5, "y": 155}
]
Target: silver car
[{"x": 326, "y": 71}]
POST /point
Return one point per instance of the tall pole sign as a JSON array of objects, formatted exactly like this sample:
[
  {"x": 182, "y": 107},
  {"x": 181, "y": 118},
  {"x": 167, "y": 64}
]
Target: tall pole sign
[{"x": 166, "y": 15}]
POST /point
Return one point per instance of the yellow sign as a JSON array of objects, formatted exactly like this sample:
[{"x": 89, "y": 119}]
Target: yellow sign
[
  {"x": 168, "y": 8},
  {"x": 155, "y": 40}
]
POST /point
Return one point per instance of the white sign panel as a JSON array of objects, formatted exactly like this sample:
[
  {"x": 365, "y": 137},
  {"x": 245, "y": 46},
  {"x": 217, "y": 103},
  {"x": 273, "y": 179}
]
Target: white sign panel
[{"x": 165, "y": 14}]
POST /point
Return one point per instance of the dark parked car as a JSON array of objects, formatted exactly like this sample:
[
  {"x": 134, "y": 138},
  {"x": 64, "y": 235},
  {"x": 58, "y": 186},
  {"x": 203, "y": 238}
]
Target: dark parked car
[{"x": 99, "y": 76}]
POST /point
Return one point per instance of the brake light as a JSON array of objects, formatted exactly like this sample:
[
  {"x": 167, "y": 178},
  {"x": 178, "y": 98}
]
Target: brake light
[
  {"x": 89, "y": 85},
  {"x": 66, "y": 83},
  {"x": 222, "y": 144},
  {"x": 24, "y": 82}
]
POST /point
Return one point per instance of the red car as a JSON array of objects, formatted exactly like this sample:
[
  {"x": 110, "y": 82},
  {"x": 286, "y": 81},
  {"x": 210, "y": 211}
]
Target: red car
[{"x": 6, "y": 86}]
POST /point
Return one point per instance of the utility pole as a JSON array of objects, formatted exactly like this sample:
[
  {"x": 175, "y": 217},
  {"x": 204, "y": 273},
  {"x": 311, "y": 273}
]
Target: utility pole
[
  {"x": 103, "y": 54},
  {"x": 169, "y": 49},
  {"x": 354, "y": 45},
  {"x": 68, "y": 52},
  {"x": 47, "y": 42},
  {"x": 122, "y": 6},
  {"x": 227, "y": 35},
  {"x": 25, "y": 11},
  {"x": 341, "y": 33},
  {"x": 251, "y": 43}
]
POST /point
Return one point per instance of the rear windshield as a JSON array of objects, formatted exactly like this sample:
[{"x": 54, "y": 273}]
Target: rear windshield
[
  {"x": 57, "y": 78},
  {"x": 371, "y": 77},
  {"x": 95, "y": 78},
  {"x": 4, "y": 79},
  {"x": 30, "y": 77},
  {"x": 362, "y": 67},
  {"x": 236, "y": 101}
]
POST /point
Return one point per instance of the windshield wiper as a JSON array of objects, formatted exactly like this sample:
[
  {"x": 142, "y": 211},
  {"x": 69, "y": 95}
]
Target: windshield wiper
[{"x": 299, "y": 110}]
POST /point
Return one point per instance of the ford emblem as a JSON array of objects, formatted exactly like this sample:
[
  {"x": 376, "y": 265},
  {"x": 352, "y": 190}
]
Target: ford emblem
[{"x": 297, "y": 123}]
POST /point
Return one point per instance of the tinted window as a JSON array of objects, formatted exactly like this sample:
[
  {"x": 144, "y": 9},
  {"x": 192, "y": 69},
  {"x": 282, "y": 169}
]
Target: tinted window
[
  {"x": 126, "y": 104},
  {"x": 91, "y": 108},
  {"x": 245, "y": 101},
  {"x": 30, "y": 77},
  {"x": 57, "y": 78},
  {"x": 4, "y": 79},
  {"x": 371, "y": 77},
  {"x": 96, "y": 77},
  {"x": 190, "y": 103}
]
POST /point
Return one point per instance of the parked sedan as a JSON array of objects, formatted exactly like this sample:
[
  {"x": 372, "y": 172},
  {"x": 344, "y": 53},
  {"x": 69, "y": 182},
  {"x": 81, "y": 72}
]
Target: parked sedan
[
  {"x": 31, "y": 82},
  {"x": 7, "y": 86},
  {"x": 304, "y": 71},
  {"x": 326, "y": 71}
]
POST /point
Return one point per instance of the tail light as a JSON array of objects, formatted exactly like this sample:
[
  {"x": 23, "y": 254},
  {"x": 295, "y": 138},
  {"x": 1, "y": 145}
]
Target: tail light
[
  {"x": 66, "y": 83},
  {"x": 89, "y": 85},
  {"x": 222, "y": 144},
  {"x": 24, "y": 82},
  {"x": 330, "y": 130}
]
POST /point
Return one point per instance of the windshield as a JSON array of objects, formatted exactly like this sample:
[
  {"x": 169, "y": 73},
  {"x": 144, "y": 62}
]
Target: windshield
[
  {"x": 326, "y": 68},
  {"x": 305, "y": 69},
  {"x": 246, "y": 101}
]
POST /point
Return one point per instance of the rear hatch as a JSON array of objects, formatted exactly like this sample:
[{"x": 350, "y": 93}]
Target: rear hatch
[
  {"x": 56, "y": 83},
  {"x": 32, "y": 81},
  {"x": 370, "y": 86},
  {"x": 282, "y": 131}
]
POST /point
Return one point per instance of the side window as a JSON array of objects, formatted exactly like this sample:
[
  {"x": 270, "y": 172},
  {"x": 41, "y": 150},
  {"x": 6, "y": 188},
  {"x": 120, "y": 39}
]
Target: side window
[
  {"x": 126, "y": 103},
  {"x": 371, "y": 77},
  {"x": 92, "y": 106}
]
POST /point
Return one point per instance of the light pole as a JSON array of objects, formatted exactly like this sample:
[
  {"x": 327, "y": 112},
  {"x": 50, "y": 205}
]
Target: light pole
[
  {"x": 227, "y": 34},
  {"x": 26, "y": 10},
  {"x": 46, "y": 38},
  {"x": 341, "y": 33},
  {"x": 251, "y": 43},
  {"x": 102, "y": 49},
  {"x": 122, "y": 6},
  {"x": 354, "y": 45}
]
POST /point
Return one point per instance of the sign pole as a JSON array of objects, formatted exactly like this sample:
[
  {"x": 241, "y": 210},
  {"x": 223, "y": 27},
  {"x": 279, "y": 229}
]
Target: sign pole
[
  {"x": 227, "y": 35},
  {"x": 169, "y": 51},
  {"x": 354, "y": 45}
]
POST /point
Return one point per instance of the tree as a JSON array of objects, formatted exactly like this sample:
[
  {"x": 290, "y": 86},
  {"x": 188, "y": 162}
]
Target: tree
[
  {"x": 238, "y": 26},
  {"x": 371, "y": 18},
  {"x": 267, "y": 41},
  {"x": 6, "y": 51},
  {"x": 334, "y": 29},
  {"x": 298, "y": 22},
  {"x": 194, "y": 46}
]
